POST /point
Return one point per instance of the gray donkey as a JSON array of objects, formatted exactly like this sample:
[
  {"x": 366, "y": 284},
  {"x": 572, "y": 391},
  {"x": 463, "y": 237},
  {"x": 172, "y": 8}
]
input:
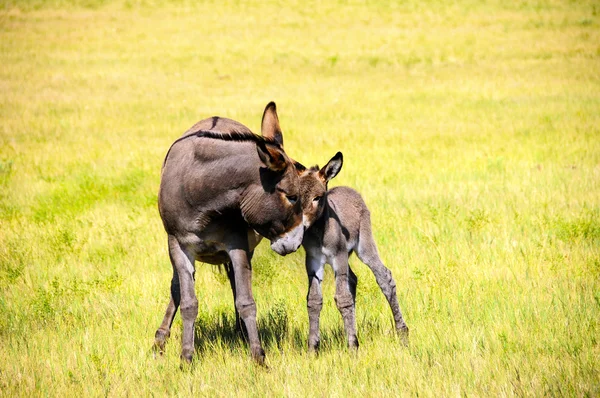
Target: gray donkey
[
  {"x": 338, "y": 223},
  {"x": 221, "y": 186}
]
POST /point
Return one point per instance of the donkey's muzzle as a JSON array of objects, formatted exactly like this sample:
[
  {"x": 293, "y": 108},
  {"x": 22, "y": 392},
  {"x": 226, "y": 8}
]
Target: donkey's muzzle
[{"x": 289, "y": 242}]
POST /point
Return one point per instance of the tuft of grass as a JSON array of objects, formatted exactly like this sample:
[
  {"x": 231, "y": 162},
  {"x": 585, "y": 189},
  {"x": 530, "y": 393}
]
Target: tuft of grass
[{"x": 586, "y": 227}]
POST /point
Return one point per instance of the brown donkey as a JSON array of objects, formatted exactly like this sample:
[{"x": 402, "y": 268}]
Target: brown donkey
[
  {"x": 338, "y": 223},
  {"x": 221, "y": 186}
]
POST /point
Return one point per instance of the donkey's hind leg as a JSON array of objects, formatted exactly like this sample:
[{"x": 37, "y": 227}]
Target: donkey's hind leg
[
  {"x": 240, "y": 327},
  {"x": 183, "y": 262},
  {"x": 164, "y": 330},
  {"x": 368, "y": 254},
  {"x": 244, "y": 300}
]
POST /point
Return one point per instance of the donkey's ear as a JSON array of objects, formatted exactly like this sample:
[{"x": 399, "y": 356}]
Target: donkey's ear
[
  {"x": 269, "y": 126},
  {"x": 299, "y": 167},
  {"x": 332, "y": 168},
  {"x": 271, "y": 156}
]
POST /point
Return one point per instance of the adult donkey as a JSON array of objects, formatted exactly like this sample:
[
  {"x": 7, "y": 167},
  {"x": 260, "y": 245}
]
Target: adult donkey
[{"x": 222, "y": 186}]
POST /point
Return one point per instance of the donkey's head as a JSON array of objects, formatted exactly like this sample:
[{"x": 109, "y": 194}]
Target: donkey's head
[
  {"x": 313, "y": 187},
  {"x": 276, "y": 211}
]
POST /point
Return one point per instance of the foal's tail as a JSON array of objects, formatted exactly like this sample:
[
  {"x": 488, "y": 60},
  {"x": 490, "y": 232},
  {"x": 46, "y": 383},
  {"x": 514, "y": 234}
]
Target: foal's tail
[{"x": 366, "y": 249}]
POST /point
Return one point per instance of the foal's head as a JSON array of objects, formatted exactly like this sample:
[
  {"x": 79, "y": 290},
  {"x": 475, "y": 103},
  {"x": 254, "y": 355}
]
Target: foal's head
[{"x": 313, "y": 187}]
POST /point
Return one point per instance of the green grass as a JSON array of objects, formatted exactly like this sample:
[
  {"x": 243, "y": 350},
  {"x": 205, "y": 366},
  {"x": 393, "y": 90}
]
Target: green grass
[{"x": 472, "y": 129}]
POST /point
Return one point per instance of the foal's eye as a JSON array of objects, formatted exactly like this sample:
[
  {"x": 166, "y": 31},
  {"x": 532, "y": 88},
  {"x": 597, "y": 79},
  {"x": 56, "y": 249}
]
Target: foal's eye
[
  {"x": 317, "y": 199},
  {"x": 292, "y": 198}
]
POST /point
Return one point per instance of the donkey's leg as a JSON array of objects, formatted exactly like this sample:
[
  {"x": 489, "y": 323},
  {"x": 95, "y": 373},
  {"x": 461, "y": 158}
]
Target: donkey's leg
[
  {"x": 344, "y": 298},
  {"x": 367, "y": 253},
  {"x": 164, "y": 331},
  {"x": 240, "y": 328},
  {"x": 183, "y": 263},
  {"x": 244, "y": 301},
  {"x": 314, "y": 299}
]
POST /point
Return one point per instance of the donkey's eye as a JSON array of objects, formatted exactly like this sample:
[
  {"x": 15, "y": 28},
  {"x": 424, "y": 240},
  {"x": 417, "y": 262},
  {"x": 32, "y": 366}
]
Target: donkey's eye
[
  {"x": 317, "y": 199},
  {"x": 292, "y": 198}
]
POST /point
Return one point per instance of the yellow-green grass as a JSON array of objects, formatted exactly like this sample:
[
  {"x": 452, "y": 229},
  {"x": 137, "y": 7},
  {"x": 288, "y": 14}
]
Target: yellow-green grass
[{"x": 472, "y": 129}]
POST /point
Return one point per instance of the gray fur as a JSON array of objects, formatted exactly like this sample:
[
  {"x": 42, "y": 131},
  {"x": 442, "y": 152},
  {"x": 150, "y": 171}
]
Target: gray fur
[
  {"x": 221, "y": 186},
  {"x": 338, "y": 224}
]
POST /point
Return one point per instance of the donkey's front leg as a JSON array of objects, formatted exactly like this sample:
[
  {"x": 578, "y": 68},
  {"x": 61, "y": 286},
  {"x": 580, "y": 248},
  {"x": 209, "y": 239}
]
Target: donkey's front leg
[
  {"x": 244, "y": 301},
  {"x": 314, "y": 299},
  {"x": 343, "y": 297}
]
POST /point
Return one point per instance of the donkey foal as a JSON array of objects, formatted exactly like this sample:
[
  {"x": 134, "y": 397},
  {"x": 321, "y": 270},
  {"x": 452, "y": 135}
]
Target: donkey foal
[{"x": 338, "y": 223}]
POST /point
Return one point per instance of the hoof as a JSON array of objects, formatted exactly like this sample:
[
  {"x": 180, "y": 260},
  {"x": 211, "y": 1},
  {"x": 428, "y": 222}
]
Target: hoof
[
  {"x": 313, "y": 346},
  {"x": 158, "y": 350},
  {"x": 186, "y": 363},
  {"x": 157, "y": 353},
  {"x": 258, "y": 355},
  {"x": 187, "y": 356},
  {"x": 160, "y": 339},
  {"x": 402, "y": 333}
]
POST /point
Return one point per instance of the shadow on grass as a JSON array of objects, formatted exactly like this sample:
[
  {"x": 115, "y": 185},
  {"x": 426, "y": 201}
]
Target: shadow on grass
[{"x": 218, "y": 331}]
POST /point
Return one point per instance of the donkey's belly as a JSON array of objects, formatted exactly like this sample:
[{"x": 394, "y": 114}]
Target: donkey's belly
[
  {"x": 216, "y": 258},
  {"x": 210, "y": 252},
  {"x": 216, "y": 253}
]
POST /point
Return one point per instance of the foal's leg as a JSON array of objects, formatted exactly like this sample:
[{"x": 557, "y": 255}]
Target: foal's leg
[
  {"x": 183, "y": 263},
  {"x": 344, "y": 298},
  {"x": 352, "y": 282},
  {"x": 314, "y": 299},
  {"x": 164, "y": 331},
  {"x": 367, "y": 253}
]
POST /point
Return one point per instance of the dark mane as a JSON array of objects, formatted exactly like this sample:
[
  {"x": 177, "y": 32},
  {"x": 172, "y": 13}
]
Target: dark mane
[
  {"x": 237, "y": 136},
  {"x": 234, "y": 136}
]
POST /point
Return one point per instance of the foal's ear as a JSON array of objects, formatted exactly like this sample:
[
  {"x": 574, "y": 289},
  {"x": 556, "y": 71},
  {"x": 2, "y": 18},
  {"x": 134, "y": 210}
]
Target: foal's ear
[
  {"x": 299, "y": 167},
  {"x": 269, "y": 126},
  {"x": 332, "y": 168},
  {"x": 271, "y": 156}
]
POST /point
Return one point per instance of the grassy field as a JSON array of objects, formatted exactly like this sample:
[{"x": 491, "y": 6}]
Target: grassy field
[{"x": 472, "y": 129}]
